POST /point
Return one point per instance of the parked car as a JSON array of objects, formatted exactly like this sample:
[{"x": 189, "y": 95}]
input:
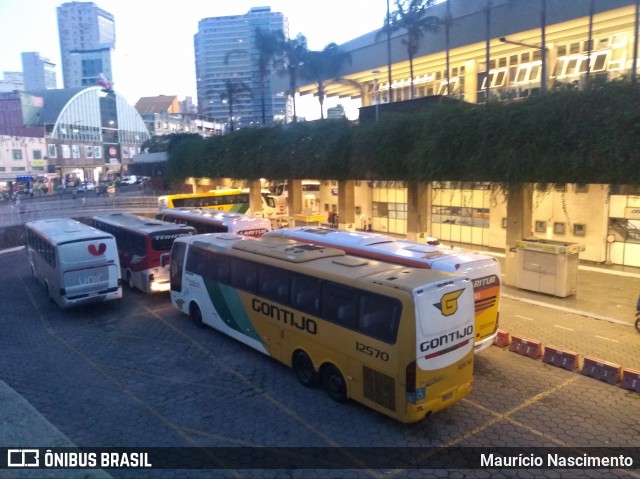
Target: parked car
[
  {"x": 86, "y": 186},
  {"x": 130, "y": 180}
]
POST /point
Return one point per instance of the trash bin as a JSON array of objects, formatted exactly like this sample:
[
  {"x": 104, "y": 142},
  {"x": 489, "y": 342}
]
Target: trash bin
[{"x": 547, "y": 266}]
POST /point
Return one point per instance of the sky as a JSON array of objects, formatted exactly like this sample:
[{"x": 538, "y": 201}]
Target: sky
[{"x": 154, "y": 52}]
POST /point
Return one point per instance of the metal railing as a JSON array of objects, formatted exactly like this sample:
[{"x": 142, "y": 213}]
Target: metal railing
[{"x": 56, "y": 206}]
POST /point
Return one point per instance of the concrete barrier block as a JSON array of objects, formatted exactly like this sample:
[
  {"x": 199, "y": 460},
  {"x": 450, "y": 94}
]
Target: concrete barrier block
[
  {"x": 631, "y": 379},
  {"x": 568, "y": 360},
  {"x": 526, "y": 347},
  {"x": 503, "y": 339},
  {"x": 601, "y": 370}
]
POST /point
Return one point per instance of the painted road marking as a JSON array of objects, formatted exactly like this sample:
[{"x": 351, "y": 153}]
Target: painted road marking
[
  {"x": 562, "y": 327},
  {"x": 608, "y": 339},
  {"x": 523, "y": 317}
]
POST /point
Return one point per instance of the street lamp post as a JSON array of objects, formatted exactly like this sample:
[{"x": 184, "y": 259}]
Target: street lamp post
[{"x": 376, "y": 89}]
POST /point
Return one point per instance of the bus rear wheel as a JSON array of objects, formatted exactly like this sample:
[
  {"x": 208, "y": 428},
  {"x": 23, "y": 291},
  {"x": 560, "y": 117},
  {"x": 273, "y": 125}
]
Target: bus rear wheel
[
  {"x": 303, "y": 369},
  {"x": 196, "y": 315},
  {"x": 333, "y": 383},
  {"x": 130, "y": 281}
]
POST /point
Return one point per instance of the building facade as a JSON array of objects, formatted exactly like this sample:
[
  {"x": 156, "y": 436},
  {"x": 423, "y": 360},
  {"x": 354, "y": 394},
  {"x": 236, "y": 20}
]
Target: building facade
[
  {"x": 11, "y": 81},
  {"x": 39, "y": 72},
  {"x": 500, "y": 50},
  {"x": 228, "y": 77},
  {"x": 77, "y": 134},
  {"x": 87, "y": 37}
]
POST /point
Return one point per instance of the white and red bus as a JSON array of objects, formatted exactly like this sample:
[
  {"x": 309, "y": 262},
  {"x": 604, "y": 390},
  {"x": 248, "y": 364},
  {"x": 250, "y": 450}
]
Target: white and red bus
[
  {"x": 208, "y": 221},
  {"x": 483, "y": 270},
  {"x": 144, "y": 248}
]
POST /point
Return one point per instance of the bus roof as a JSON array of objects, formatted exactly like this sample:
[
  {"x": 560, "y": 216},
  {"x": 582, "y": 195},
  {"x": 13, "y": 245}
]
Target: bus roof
[
  {"x": 62, "y": 230},
  {"x": 318, "y": 259},
  {"x": 140, "y": 223},
  {"x": 437, "y": 257}
]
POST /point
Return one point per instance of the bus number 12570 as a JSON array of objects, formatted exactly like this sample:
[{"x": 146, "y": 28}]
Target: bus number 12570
[{"x": 371, "y": 351}]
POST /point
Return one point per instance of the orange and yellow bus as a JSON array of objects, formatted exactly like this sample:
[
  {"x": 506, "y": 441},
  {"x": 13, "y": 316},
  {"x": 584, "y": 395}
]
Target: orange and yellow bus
[
  {"x": 483, "y": 270},
  {"x": 396, "y": 339}
]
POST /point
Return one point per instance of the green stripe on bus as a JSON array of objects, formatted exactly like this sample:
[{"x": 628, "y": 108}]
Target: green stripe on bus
[
  {"x": 240, "y": 208},
  {"x": 226, "y": 300}
]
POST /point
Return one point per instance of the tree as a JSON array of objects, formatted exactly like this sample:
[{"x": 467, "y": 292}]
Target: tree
[
  {"x": 294, "y": 54},
  {"x": 322, "y": 67},
  {"x": 233, "y": 93},
  {"x": 269, "y": 44},
  {"x": 411, "y": 15}
]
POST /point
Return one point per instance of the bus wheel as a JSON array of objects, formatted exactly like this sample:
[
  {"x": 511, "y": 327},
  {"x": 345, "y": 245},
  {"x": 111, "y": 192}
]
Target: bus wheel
[
  {"x": 130, "y": 281},
  {"x": 46, "y": 289},
  {"x": 196, "y": 315},
  {"x": 303, "y": 369},
  {"x": 333, "y": 383}
]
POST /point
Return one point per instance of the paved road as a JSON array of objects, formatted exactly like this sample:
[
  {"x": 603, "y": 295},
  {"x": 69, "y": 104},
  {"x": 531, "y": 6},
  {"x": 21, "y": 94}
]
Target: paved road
[{"x": 137, "y": 373}]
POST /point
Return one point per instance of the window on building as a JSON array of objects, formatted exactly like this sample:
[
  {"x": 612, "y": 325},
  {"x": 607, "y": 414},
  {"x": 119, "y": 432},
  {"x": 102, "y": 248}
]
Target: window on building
[
  {"x": 558, "y": 228},
  {"x": 541, "y": 226},
  {"x": 579, "y": 229},
  {"x": 37, "y": 154},
  {"x": 16, "y": 154},
  {"x": 504, "y": 223}
]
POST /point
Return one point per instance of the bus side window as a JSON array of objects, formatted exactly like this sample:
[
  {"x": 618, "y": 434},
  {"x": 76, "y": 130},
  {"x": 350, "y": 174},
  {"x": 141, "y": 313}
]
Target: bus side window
[
  {"x": 196, "y": 262},
  {"x": 339, "y": 304},
  {"x": 379, "y": 317},
  {"x": 305, "y": 294},
  {"x": 244, "y": 275},
  {"x": 274, "y": 284}
]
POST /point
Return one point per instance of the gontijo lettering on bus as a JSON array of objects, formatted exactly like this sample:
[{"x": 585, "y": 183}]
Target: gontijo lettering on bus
[{"x": 284, "y": 316}]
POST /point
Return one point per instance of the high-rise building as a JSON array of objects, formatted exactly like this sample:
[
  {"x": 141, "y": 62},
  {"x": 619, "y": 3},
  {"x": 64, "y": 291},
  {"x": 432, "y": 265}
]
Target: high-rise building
[
  {"x": 87, "y": 36},
  {"x": 228, "y": 76},
  {"x": 39, "y": 72}
]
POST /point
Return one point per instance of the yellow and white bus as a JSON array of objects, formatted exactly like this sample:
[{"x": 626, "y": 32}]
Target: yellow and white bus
[
  {"x": 76, "y": 264},
  {"x": 227, "y": 199},
  {"x": 206, "y": 221},
  {"x": 396, "y": 339},
  {"x": 483, "y": 270}
]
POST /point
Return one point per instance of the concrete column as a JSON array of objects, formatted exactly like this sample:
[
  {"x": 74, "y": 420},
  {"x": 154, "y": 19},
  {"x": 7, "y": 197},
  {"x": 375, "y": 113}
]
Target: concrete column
[
  {"x": 471, "y": 81},
  {"x": 294, "y": 196},
  {"x": 418, "y": 210},
  {"x": 519, "y": 225},
  {"x": 255, "y": 197},
  {"x": 346, "y": 203}
]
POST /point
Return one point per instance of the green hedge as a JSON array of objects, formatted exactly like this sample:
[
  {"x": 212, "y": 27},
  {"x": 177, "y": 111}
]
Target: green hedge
[{"x": 564, "y": 136}]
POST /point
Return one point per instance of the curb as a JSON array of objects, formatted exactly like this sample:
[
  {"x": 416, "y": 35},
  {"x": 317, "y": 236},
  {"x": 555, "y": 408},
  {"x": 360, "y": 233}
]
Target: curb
[{"x": 592, "y": 367}]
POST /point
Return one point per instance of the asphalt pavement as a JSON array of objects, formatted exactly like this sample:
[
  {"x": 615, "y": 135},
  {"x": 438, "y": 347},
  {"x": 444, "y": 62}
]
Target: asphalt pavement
[{"x": 604, "y": 305}]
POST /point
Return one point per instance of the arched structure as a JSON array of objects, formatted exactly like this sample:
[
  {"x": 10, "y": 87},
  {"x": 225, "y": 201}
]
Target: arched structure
[{"x": 91, "y": 133}]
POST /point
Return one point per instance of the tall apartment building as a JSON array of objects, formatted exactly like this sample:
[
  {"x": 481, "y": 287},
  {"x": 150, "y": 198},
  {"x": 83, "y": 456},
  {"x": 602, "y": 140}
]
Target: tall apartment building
[
  {"x": 227, "y": 57},
  {"x": 87, "y": 36},
  {"x": 39, "y": 72}
]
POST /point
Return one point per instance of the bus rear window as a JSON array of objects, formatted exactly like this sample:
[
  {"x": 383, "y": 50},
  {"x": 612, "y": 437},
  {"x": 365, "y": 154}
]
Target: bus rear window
[{"x": 163, "y": 241}]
